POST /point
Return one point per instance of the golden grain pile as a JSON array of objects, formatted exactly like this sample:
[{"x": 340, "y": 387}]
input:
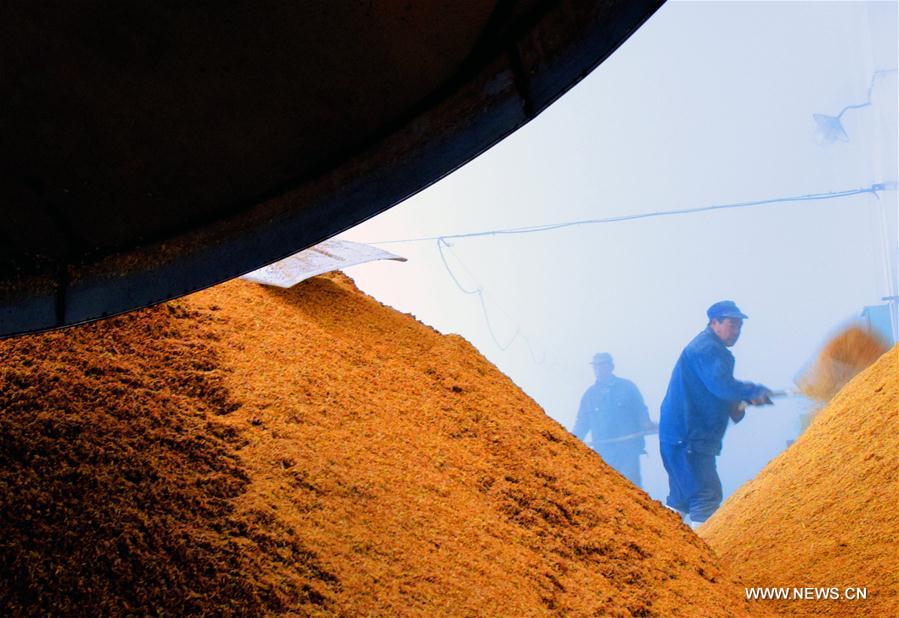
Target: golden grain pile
[
  {"x": 250, "y": 451},
  {"x": 824, "y": 513}
]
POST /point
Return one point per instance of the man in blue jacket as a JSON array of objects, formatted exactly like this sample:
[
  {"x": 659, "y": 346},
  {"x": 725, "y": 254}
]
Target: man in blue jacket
[
  {"x": 613, "y": 412},
  {"x": 702, "y": 396}
]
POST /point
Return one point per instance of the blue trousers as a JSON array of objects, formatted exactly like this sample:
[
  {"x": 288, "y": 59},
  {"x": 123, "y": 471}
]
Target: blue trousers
[
  {"x": 628, "y": 464},
  {"x": 625, "y": 458},
  {"x": 693, "y": 483}
]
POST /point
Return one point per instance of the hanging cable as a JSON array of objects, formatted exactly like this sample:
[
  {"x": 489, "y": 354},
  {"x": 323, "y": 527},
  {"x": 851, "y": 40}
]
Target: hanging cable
[
  {"x": 873, "y": 189},
  {"x": 440, "y": 244},
  {"x": 867, "y": 102},
  {"x": 481, "y": 294},
  {"x": 830, "y": 128}
]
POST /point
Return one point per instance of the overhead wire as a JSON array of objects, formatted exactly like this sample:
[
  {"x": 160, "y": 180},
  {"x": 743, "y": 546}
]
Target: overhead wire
[
  {"x": 480, "y": 292},
  {"x": 442, "y": 240},
  {"x": 531, "y": 229}
]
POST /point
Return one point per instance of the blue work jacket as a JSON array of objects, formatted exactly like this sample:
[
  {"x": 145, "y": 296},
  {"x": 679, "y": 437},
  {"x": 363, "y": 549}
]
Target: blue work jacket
[
  {"x": 702, "y": 395},
  {"x": 610, "y": 410}
]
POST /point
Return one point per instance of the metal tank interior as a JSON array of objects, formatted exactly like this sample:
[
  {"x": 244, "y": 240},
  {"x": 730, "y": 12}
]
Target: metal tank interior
[{"x": 151, "y": 149}]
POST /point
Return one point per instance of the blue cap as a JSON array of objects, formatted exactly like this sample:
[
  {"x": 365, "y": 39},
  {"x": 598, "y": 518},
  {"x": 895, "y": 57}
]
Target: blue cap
[
  {"x": 601, "y": 357},
  {"x": 725, "y": 309}
]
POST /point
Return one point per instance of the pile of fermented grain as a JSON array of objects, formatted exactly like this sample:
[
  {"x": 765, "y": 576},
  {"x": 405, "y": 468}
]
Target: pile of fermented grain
[
  {"x": 824, "y": 513},
  {"x": 251, "y": 451}
]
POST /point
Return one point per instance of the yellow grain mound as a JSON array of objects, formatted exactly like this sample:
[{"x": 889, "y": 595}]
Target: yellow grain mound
[
  {"x": 250, "y": 451},
  {"x": 824, "y": 513}
]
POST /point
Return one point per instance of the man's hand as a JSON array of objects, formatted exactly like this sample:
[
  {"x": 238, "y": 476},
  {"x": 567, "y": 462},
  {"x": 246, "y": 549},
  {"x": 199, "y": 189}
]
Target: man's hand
[{"x": 762, "y": 397}]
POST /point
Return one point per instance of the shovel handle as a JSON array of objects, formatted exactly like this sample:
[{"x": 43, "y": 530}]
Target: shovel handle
[{"x": 784, "y": 393}]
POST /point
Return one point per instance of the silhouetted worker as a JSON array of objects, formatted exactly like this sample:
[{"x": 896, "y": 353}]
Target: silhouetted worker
[
  {"x": 701, "y": 397},
  {"x": 612, "y": 410}
]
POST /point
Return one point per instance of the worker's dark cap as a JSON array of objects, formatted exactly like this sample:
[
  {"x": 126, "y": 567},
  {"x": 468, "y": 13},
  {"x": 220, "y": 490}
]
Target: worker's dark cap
[
  {"x": 725, "y": 309},
  {"x": 602, "y": 357}
]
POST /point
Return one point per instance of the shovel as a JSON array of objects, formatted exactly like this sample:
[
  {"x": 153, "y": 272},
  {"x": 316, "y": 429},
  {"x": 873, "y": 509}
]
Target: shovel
[{"x": 845, "y": 355}]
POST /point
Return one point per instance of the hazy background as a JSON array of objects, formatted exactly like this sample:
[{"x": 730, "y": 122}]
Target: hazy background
[{"x": 708, "y": 103}]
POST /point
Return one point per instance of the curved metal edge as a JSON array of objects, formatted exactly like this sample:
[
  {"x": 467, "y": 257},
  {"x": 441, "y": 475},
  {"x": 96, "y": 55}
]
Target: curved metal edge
[{"x": 507, "y": 93}]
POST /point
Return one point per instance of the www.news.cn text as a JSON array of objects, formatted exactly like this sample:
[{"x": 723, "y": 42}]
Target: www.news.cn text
[{"x": 808, "y": 593}]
